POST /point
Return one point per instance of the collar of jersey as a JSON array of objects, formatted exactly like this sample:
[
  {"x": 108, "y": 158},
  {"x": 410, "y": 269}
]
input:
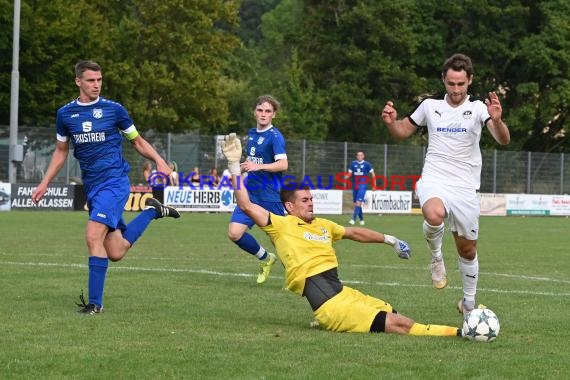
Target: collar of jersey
[
  {"x": 265, "y": 130},
  {"x": 87, "y": 104}
]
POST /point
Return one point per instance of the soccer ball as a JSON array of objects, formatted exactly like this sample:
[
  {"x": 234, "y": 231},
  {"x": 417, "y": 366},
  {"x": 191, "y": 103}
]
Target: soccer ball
[{"x": 481, "y": 325}]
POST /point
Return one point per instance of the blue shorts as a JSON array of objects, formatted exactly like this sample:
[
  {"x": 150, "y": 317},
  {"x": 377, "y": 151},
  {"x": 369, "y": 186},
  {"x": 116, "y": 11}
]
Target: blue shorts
[
  {"x": 106, "y": 202},
  {"x": 240, "y": 217},
  {"x": 359, "y": 194}
]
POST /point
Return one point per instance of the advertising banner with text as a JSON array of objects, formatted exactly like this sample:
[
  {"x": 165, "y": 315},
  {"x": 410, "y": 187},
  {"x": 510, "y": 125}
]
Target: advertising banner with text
[
  {"x": 5, "y": 191},
  {"x": 528, "y": 204},
  {"x": 388, "y": 202},
  {"x": 327, "y": 202},
  {"x": 186, "y": 199},
  {"x": 57, "y": 197},
  {"x": 560, "y": 205}
]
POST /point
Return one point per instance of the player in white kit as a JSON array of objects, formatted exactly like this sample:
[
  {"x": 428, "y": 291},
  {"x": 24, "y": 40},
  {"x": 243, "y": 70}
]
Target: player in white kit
[{"x": 452, "y": 168}]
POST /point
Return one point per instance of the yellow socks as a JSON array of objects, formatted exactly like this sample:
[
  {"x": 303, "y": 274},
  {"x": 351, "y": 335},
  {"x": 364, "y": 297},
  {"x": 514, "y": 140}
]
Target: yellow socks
[{"x": 419, "y": 329}]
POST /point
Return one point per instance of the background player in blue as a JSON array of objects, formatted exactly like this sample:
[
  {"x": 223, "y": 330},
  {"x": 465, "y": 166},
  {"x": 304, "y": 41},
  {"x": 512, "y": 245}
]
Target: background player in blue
[
  {"x": 96, "y": 127},
  {"x": 360, "y": 170},
  {"x": 265, "y": 162}
]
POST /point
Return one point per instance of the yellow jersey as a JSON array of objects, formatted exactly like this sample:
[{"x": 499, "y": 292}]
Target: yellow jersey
[{"x": 305, "y": 249}]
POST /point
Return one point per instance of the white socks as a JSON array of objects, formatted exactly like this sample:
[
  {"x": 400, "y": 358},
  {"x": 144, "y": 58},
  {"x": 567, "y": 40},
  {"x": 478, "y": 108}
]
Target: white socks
[
  {"x": 469, "y": 270},
  {"x": 390, "y": 240},
  {"x": 434, "y": 238},
  {"x": 261, "y": 253}
]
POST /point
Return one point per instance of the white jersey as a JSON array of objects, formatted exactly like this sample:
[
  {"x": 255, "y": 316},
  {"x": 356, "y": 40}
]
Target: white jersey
[{"x": 453, "y": 156}]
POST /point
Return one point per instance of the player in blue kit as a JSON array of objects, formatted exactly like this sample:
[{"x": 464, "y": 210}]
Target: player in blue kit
[
  {"x": 96, "y": 126},
  {"x": 265, "y": 162},
  {"x": 359, "y": 170}
]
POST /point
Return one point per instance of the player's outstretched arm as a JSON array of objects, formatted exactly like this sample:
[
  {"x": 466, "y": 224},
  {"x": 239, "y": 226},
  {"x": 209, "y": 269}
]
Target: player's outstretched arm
[
  {"x": 146, "y": 150},
  {"x": 366, "y": 235},
  {"x": 231, "y": 147},
  {"x": 58, "y": 159}
]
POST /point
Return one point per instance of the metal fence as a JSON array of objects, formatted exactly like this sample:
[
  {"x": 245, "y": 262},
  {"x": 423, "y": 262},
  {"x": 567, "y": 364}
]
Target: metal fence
[{"x": 503, "y": 171}]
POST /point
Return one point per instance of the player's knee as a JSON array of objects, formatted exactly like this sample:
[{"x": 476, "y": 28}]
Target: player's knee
[
  {"x": 434, "y": 212},
  {"x": 433, "y": 217},
  {"x": 234, "y": 235},
  {"x": 93, "y": 240},
  {"x": 468, "y": 253},
  {"x": 393, "y": 323}
]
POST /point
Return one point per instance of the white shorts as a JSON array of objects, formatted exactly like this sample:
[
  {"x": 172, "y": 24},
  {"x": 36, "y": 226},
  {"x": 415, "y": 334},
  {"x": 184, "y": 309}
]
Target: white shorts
[{"x": 462, "y": 206}]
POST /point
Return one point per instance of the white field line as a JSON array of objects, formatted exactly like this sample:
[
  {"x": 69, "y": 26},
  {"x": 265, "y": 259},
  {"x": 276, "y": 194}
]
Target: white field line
[
  {"x": 515, "y": 276},
  {"x": 233, "y": 274}
]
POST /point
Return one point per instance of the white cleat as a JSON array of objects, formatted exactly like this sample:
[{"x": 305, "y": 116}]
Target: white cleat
[{"x": 438, "y": 274}]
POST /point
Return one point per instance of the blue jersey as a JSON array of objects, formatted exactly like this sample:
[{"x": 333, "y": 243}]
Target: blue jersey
[
  {"x": 265, "y": 147},
  {"x": 95, "y": 129},
  {"x": 360, "y": 169}
]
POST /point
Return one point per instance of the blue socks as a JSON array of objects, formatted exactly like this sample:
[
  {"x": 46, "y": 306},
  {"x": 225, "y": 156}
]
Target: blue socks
[
  {"x": 98, "y": 265},
  {"x": 137, "y": 226},
  {"x": 357, "y": 213},
  {"x": 248, "y": 243},
  {"x": 97, "y": 274}
]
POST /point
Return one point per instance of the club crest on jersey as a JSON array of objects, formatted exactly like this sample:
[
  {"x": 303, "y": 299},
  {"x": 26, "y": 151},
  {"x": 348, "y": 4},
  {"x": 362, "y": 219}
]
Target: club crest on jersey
[
  {"x": 97, "y": 113},
  {"x": 260, "y": 140},
  {"x": 467, "y": 114},
  {"x": 87, "y": 126}
]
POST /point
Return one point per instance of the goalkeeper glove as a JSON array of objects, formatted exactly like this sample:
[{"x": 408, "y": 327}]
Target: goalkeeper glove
[
  {"x": 231, "y": 147},
  {"x": 401, "y": 248}
]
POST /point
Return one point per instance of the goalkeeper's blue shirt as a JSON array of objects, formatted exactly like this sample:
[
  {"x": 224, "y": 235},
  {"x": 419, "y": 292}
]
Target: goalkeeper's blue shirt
[
  {"x": 265, "y": 147},
  {"x": 95, "y": 129},
  {"x": 360, "y": 169}
]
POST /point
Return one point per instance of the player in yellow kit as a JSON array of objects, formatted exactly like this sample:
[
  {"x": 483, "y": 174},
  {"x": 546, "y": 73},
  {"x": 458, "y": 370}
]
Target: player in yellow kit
[{"x": 304, "y": 245}]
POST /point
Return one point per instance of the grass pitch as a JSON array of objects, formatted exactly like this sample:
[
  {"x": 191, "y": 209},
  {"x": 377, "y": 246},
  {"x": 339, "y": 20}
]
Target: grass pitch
[{"x": 184, "y": 304}]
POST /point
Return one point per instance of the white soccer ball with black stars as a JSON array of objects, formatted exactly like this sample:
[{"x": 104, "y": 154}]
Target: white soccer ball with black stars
[{"x": 481, "y": 325}]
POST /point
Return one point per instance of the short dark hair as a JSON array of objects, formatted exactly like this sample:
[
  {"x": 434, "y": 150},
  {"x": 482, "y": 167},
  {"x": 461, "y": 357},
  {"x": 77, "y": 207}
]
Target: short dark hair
[
  {"x": 267, "y": 99},
  {"x": 458, "y": 62},
  {"x": 288, "y": 194},
  {"x": 82, "y": 66}
]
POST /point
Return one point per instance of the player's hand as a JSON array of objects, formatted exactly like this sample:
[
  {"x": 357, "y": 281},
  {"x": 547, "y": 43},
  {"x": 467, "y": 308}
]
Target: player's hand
[
  {"x": 248, "y": 166},
  {"x": 389, "y": 113},
  {"x": 231, "y": 147},
  {"x": 38, "y": 193},
  {"x": 402, "y": 249},
  {"x": 494, "y": 106},
  {"x": 162, "y": 167}
]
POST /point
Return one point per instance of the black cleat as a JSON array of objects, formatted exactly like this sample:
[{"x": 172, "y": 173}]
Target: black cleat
[
  {"x": 161, "y": 209},
  {"x": 88, "y": 309}
]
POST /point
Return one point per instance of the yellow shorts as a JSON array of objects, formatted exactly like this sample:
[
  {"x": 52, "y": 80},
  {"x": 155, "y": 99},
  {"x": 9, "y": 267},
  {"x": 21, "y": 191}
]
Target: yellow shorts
[{"x": 350, "y": 311}]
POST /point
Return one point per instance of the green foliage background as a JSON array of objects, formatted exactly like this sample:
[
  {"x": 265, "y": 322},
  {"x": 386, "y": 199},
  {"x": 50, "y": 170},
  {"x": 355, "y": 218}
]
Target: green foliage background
[{"x": 197, "y": 65}]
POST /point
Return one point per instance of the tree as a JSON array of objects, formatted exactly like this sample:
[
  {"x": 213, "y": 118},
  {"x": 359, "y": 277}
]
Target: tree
[
  {"x": 163, "y": 60},
  {"x": 542, "y": 94},
  {"x": 356, "y": 52},
  {"x": 251, "y": 12},
  {"x": 173, "y": 55},
  {"x": 50, "y": 44}
]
